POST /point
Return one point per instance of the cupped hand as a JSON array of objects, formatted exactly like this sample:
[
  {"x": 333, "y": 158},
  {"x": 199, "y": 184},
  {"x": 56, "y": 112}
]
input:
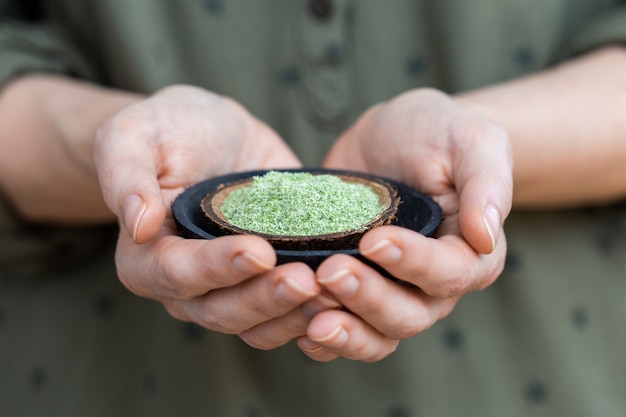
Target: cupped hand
[
  {"x": 147, "y": 154},
  {"x": 442, "y": 148},
  {"x": 150, "y": 151}
]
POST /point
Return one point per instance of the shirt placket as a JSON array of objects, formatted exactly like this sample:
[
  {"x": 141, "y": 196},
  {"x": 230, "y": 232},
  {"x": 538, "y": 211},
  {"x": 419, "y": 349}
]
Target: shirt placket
[{"x": 322, "y": 44}]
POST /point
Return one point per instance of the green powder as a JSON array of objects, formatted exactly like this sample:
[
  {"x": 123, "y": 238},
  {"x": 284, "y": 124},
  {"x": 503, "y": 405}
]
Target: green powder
[{"x": 301, "y": 204}]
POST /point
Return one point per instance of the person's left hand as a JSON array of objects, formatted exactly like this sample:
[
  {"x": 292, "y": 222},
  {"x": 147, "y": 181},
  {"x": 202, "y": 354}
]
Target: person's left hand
[
  {"x": 440, "y": 147},
  {"x": 148, "y": 153}
]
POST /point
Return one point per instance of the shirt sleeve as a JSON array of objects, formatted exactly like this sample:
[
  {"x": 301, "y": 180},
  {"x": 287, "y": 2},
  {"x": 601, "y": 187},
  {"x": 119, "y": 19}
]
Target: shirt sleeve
[
  {"x": 605, "y": 29},
  {"x": 27, "y": 45},
  {"x": 37, "y": 46}
]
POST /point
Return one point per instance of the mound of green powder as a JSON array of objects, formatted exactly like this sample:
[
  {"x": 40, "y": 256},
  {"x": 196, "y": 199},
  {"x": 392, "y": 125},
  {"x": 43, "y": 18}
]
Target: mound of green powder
[{"x": 301, "y": 204}]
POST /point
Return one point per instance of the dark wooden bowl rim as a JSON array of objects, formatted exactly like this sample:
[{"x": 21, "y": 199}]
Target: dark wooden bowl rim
[{"x": 418, "y": 212}]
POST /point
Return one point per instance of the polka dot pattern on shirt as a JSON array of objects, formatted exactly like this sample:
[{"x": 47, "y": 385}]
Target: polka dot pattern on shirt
[{"x": 213, "y": 7}]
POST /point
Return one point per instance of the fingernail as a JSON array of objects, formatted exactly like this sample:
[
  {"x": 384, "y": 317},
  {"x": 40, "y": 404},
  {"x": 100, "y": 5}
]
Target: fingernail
[
  {"x": 247, "y": 262},
  {"x": 290, "y": 290},
  {"x": 383, "y": 251},
  {"x": 343, "y": 282},
  {"x": 337, "y": 338},
  {"x": 133, "y": 211},
  {"x": 492, "y": 220},
  {"x": 308, "y": 345}
]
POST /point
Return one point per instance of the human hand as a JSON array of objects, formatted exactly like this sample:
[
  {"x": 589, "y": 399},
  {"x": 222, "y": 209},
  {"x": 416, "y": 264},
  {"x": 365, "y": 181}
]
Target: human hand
[
  {"x": 146, "y": 155},
  {"x": 445, "y": 149}
]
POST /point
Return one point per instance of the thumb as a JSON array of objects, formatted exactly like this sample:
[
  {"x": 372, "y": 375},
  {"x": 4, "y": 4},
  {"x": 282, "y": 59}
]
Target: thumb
[
  {"x": 482, "y": 210},
  {"x": 485, "y": 195},
  {"x": 127, "y": 172},
  {"x": 142, "y": 210}
]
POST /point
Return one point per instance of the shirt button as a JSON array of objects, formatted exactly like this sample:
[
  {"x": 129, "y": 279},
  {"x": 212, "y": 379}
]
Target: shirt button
[{"x": 321, "y": 9}]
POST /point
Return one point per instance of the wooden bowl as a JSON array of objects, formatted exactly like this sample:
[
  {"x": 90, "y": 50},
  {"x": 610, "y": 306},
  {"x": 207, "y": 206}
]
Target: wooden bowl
[
  {"x": 387, "y": 194},
  {"x": 418, "y": 212}
]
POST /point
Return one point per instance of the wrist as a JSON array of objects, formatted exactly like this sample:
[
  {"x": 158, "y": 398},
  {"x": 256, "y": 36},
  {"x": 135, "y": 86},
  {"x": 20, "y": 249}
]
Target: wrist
[{"x": 46, "y": 164}]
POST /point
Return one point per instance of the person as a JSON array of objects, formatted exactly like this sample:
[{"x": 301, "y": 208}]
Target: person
[{"x": 83, "y": 70}]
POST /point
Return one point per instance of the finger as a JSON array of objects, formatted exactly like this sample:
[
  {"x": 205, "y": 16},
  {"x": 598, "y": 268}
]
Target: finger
[
  {"x": 484, "y": 181},
  {"x": 442, "y": 268},
  {"x": 396, "y": 311},
  {"x": 173, "y": 267},
  {"x": 277, "y": 332},
  {"x": 265, "y": 297},
  {"x": 343, "y": 334},
  {"x": 315, "y": 351},
  {"x": 127, "y": 171},
  {"x": 324, "y": 301}
]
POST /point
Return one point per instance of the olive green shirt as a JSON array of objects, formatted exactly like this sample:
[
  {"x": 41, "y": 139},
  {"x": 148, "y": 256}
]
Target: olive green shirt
[{"x": 547, "y": 339}]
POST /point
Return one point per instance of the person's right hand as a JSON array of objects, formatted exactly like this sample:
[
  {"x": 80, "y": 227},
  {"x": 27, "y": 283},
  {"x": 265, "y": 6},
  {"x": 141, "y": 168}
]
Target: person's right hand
[
  {"x": 150, "y": 152},
  {"x": 448, "y": 150}
]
